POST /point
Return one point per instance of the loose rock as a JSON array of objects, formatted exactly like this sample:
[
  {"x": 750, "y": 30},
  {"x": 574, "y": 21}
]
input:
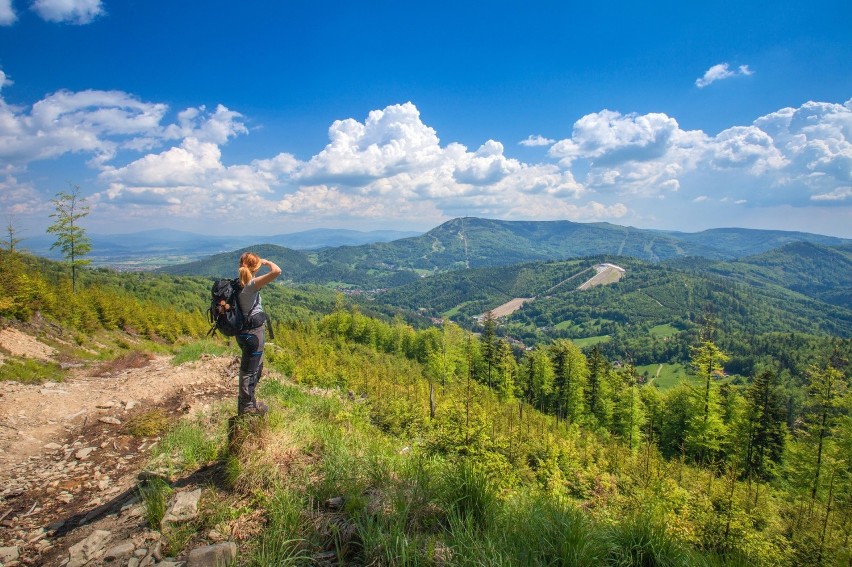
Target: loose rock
[
  {"x": 119, "y": 551},
  {"x": 217, "y": 555},
  {"x": 83, "y": 453},
  {"x": 184, "y": 507},
  {"x": 8, "y": 554},
  {"x": 88, "y": 549}
]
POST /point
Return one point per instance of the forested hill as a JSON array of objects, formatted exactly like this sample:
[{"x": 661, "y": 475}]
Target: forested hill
[
  {"x": 295, "y": 264},
  {"x": 746, "y": 297},
  {"x": 473, "y": 242},
  {"x": 816, "y": 271}
]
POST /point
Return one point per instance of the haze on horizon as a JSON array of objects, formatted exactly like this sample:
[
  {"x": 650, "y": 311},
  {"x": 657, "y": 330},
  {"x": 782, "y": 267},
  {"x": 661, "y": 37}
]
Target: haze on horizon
[{"x": 283, "y": 118}]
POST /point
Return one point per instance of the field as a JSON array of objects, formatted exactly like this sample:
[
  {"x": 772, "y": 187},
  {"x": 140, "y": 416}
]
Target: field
[
  {"x": 665, "y": 376},
  {"x": 590, "y": 341},
  {"x": 663, "y": 331}
]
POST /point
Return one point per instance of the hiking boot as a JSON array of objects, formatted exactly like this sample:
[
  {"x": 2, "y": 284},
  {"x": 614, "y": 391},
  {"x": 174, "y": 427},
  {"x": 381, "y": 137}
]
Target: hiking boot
[{"x": 257, "y": 408}]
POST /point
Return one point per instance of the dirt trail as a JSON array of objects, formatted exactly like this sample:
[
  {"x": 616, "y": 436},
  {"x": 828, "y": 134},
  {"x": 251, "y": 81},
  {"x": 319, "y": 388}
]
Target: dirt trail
[{"x": 67, "y": 462}]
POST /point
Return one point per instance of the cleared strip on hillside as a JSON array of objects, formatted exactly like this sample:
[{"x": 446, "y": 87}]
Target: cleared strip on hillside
[
  {"x": 510, "y": 306},
  {"x": 607, "y": 274}
]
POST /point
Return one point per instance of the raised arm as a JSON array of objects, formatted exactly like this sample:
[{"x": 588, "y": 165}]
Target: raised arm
[{"x": 274, "y": 272}]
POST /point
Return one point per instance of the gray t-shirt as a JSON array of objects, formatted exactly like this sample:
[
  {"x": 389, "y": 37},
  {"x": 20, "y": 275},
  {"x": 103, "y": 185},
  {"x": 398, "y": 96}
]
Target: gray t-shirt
[{"x": 247, "y": 298}]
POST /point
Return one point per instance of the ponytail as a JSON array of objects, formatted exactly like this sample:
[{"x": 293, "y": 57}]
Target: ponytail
[
  {"x": 249, "y": 264},
  {"x": 245, "y": 276}
]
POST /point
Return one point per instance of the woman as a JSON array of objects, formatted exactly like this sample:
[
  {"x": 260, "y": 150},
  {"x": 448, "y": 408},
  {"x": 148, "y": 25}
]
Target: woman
[{"x": 251, "y": 339}]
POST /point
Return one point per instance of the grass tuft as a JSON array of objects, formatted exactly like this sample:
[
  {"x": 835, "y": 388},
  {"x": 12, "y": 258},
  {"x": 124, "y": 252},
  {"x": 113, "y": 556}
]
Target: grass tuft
[
  {"x": 148, "y": 424},
  {"x": 154, "y": 494}
]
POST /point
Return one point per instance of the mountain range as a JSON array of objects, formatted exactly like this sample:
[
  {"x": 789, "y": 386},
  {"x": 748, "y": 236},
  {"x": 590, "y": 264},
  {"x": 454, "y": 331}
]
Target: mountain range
[
  {"x": 472, "y": 243},
  {"x": 167, "y": 242}
]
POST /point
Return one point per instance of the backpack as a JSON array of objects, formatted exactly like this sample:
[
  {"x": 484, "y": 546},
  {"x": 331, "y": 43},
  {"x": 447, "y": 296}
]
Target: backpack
[{"x": 224, "y": 312}]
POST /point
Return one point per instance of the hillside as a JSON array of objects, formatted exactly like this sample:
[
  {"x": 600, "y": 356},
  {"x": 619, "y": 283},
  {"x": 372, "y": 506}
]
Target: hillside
[
  {"x": 648, "y": 294},
  {"x": 814, "y": 270},
  {"x": 168, "y": 243},
  {"x": 475, "y": 243},
  {"x": 294, "y": 265},
  {"x": 389, "y": 445},
  {"x": 739, "y": 242}
]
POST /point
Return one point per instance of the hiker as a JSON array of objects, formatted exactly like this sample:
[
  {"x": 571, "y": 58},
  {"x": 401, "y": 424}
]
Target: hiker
[{"x": 251, "y": 339}]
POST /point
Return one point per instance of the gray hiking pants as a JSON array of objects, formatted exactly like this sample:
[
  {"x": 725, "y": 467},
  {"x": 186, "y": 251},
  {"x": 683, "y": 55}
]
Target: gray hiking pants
[{"x": 251, "y": 367}]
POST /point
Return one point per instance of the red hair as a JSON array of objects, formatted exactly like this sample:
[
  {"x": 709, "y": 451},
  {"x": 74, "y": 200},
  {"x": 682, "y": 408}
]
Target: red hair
[{"x": 249, "y": 265}]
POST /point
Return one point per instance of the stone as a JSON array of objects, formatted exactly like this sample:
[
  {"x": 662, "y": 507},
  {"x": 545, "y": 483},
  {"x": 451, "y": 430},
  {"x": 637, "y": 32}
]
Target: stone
[
  {"x": 120, "y": 551},
  {"x": 184, "y": 507},
  {"x": 157, "y": 551},
  {"x": 109, "y": 419},
  {"x": 218, "y": 555},
  {"x": 84, "y": 453},
  {"x": 88, "y": 549},
  {"x": 53, "y": 446},
  {"x": 8, "y": 554}
]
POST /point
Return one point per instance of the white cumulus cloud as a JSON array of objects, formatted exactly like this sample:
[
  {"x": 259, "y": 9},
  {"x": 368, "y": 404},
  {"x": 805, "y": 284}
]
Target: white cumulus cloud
[
  {"x": 68, "y": 11},
  {"x": 100, "y": 123},
  {"x": 536, "y": 140},
  {"x": 7, "y": 13},
  {"x": 792, "y": 156},
  {"x": 392, "y": 161},
  {"x": 719, "y": 72}
]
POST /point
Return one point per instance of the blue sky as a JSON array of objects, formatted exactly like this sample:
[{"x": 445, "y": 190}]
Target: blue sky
[{"x": 275, "y": 117}]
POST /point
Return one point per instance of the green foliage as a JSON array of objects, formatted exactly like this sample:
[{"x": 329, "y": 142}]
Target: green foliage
[
  {"x": 30, "y": 371},
  {"x": 188, "y": 445},
  {"x": 565, "y": 459},
  {"x": 71, "y": 238}
]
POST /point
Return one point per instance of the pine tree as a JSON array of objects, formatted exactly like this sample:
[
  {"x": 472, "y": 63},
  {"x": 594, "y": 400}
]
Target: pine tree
[
  {"x": 826, "y": 392},
  {"x": 706, "y": 430},
  {"x": 71, "y": 238},
  {"x": 539, "y": 378},
  {"x": 507, "y": 371},
  {"x": 12, "y": 240},
  {"x": 598, "y": 394},
  {"x": 628, "y": 416},
  {"x": 762, "y": 429},
  {"x": 488, "y": 342},
  {"x": 571, "y": 374}
]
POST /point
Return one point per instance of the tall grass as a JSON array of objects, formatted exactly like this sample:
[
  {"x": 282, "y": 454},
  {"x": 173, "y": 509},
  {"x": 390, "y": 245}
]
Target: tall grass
[
  {"x": 194, "y": 350},
  {"x": 283, "y": 541},
  {"x": 395, "y": 504},
  {"x": 188, "y": 445},
  {"x": 154, "y": 494}
]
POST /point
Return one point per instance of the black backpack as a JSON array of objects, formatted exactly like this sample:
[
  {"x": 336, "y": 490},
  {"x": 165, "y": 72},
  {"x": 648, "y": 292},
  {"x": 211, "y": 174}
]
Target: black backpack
[{"x": 224, "y": 312}]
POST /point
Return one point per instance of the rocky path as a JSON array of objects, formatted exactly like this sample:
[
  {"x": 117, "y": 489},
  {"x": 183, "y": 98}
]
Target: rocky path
[{"x": 69, "y": 468}]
